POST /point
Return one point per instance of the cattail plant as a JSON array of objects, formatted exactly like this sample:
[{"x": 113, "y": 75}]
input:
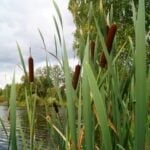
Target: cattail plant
[
  {"x": 76, "y": 76},
  {"x": 109, "y": 41},
  {"x": 31, "y": 68}
]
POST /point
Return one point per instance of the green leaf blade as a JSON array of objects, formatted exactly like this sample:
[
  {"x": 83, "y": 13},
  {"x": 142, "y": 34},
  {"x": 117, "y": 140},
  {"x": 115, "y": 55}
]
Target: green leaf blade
[
  {"x": 87, "y": 107},
  {"x": 100, "y": 108},
  {"x": 140, "y": 75},
  {"x": 12, "y": 140},
  {"x": 70, "y": 98}
]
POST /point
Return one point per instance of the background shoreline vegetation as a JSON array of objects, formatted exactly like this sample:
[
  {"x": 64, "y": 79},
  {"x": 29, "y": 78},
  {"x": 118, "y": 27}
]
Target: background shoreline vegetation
[{"x": 106, "y": 100}]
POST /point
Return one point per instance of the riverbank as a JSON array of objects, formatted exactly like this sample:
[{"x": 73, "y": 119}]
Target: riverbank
[
  {"x": 4, "y": 103},
  {"x": 39, "y": 102},
  {"x": 20, "y": 104}
]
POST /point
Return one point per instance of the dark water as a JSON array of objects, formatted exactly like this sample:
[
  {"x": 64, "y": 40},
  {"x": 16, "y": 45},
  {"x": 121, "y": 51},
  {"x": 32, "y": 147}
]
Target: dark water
[{"x": 42, "y": 136}]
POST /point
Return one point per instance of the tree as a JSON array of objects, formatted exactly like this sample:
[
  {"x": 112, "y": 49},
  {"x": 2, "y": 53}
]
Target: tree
[
  {"x": 44, "y": 81},
  {"x": 121, "y": 12},
  {"x": 20, "y": 90},
  {"x": 57, "y": 75}
]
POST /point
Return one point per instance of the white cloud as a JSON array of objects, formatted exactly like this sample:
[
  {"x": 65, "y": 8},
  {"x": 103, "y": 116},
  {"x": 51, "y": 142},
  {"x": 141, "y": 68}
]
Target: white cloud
[{"x": 19, "y": 21}]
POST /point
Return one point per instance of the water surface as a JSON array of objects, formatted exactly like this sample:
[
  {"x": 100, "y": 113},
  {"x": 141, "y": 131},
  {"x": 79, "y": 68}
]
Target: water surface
[{"x": 41, "y": 130}]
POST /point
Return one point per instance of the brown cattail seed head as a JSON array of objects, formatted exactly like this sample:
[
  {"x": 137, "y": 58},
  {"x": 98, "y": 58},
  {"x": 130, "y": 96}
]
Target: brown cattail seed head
[
  {"x": 76, "y": 76},
  {"x": 109, "y": 40},
  {"x": 31, "y": 68},
  {"x": 110, "y": 37},
  {"x": 103, "y": 60},
  {"x": 92, "y": 47}
]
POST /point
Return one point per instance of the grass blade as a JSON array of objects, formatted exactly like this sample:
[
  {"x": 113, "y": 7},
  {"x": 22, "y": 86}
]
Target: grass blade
[{"x": 12, "y": 140}]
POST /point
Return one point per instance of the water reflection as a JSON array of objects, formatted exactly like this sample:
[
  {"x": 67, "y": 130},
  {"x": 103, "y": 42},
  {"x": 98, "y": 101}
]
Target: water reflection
[{"x": 3, "y": 137}]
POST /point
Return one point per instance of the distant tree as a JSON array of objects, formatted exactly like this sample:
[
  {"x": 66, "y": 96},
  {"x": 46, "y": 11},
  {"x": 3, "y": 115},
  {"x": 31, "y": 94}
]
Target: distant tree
[
  {"x": 57, "y": 75},
  {"x": 7, "y": 92},
  {"x": 20, "y": 90},
  {"x": 45, "y": 82}
]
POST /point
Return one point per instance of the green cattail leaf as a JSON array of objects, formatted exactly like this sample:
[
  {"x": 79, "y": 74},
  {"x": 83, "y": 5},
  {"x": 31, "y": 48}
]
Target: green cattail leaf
[
  {"x": 22, "y": 60},
  {"x": 42, "y": 37},
  {"x": 57, "y": 29},
  {"x": 87, "y": 109},
  {"x": 12, "y": 140},
  {"x": 45, "y": 48},
  {"x": 56, "y": 46},
  {"x": 79, "y": 111},
  {"x": 58, "y": 12},
  {"x": 100, "y": 108},
  {"x": 140, "y": 79},
  {"x": 59, "y": 61},
  {"x": 70, "y": 98}
]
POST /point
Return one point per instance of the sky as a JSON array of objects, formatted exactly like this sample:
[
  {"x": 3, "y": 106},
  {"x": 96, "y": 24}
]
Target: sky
[{"x": 19, "y": 22}]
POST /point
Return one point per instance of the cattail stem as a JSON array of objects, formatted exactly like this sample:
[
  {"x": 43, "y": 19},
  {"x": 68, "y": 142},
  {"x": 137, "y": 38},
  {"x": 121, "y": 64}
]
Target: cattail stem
[{"x": 76, "y": 76}]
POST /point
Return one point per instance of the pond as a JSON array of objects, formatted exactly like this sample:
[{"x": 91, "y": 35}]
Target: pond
[{"x": 41, "y": 128}]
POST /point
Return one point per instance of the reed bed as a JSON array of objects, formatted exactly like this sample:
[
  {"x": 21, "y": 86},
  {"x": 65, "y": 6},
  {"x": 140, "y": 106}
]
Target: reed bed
[{"x": 107, "y": 105}]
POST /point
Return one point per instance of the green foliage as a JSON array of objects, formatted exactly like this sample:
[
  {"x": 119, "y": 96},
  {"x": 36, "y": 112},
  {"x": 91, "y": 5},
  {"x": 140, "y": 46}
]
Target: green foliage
[{"x": 115, "y": 10}]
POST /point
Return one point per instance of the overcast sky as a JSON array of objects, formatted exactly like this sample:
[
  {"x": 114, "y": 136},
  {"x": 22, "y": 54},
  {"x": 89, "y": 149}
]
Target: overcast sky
[{"x": 19, "y": 21}]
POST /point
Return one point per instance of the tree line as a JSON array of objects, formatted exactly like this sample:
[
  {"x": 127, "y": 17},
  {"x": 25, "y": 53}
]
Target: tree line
[{"x": 44, "y": 86}]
